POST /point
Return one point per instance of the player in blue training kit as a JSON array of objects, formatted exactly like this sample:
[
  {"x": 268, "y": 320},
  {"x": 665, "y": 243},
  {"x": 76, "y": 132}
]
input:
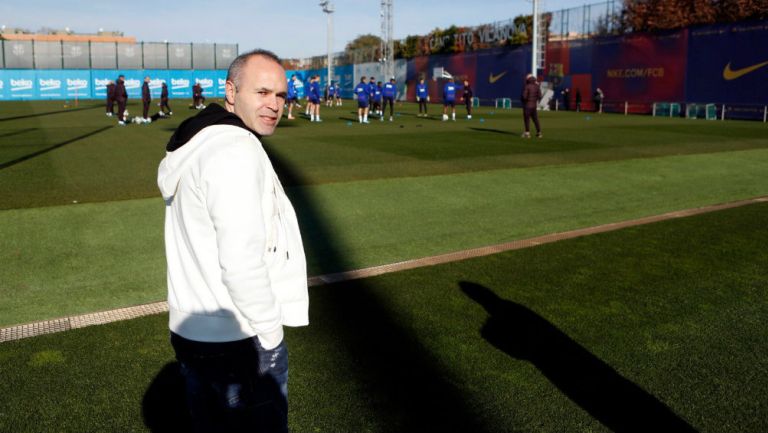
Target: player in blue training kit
[
  {"x": 329, "y": 96},
  {"x": 362, "y": 95},
  {"x": 388, "y": 92},
  {"x": 449, "y": 99},
  {"x": 377, "y": 100},
  {"x": 336, "y": 95},
  {"x": 371, "y": 92},
  {"x": 314, "y": 98},
  {"x": 292, "y": 95},
  {"x": 422, "y": 96}
]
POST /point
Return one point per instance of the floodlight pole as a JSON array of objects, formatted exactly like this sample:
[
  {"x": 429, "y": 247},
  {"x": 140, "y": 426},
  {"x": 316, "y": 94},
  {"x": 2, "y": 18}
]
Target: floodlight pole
[
  {"x": 535, "y": 41},
  {"x": 328, "y": 9},
  {"x": 387, "y": 58}
]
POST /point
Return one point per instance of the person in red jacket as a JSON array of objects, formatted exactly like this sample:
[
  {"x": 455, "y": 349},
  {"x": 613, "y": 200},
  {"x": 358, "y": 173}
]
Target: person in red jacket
[
  {"x": 146, "y": 98},
  {"x": 530, "y": 99},
  {"x": 121, "y": 97}
]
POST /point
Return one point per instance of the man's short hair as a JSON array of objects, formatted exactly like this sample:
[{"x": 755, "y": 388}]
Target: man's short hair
[{"x": 236, "y": 68}]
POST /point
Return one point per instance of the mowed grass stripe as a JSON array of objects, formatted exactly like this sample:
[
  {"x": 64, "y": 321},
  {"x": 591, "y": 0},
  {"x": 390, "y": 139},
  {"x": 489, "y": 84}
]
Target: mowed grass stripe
[
  {"x": 676, "y": 309},
  {"x": 121, "y": 163},
  {"x": 100, "y": 318},
  {"x": 69, "y": 260}
]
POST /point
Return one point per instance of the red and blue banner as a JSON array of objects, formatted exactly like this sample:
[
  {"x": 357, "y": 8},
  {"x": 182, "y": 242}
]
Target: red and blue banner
[{"x": 641, "y": 67}]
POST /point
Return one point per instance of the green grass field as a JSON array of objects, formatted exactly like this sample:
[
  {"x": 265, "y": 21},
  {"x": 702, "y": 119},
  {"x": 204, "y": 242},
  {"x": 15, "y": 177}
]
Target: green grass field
[
  {"x": 653, "y": 328},
  {"x": 664, "y": 323}
]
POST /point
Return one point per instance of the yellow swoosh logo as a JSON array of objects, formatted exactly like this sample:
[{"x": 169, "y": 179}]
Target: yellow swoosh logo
[
  {"x": 494, "y": 78},
  {"x": 730, "y": 74}
]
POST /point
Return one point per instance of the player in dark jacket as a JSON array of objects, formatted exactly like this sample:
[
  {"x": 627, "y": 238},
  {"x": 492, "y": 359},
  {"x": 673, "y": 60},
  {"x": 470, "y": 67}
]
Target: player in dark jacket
[
  {"x": 530, "y": 98},
  {"x": 164, "y": 101},
  {"x": 146, "y": 98},
  {"x": 121, "y": 97},
  {"x": 467, "y": 98},
  {"x": 111, "y": 98},
  {"x": 197, "y": 96}
]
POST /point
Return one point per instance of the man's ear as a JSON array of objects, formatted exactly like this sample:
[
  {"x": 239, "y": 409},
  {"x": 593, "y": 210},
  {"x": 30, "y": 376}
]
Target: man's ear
[{"x": 229, "y": 92}]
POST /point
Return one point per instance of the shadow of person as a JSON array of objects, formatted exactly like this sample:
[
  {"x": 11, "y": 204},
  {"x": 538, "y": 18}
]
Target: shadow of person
[
  {"x": 164, "y": 406},
  {"x": 216, "y": 387},
  {"x": 403, "y": 383},
  {"x": 615, "y": 401}
]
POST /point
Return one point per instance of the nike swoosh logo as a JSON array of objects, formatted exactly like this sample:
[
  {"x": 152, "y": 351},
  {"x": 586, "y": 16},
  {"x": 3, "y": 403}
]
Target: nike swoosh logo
[
  {"x": 730, "y": 74},
  {"x": 492, "y": 79}
]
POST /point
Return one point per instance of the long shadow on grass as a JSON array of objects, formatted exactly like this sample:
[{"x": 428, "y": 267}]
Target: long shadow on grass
[
  {"x": 615, "y": 401},
  {"x": 18, "y": 132},
  {"x": 163, "y": 408},
  {"x": 497, "y": 131},
  {"x": 404, "y": 384},
  {"x": 53, "y": 147},
  {"x": 48, "y": 113}
]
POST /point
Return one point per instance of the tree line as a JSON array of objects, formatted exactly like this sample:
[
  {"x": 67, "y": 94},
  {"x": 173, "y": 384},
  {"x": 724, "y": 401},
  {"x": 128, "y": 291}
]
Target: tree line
[{"x": 634, "y": 16}]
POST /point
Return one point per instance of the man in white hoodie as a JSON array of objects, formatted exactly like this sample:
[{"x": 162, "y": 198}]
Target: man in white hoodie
[{"x": 236, "y": 265}]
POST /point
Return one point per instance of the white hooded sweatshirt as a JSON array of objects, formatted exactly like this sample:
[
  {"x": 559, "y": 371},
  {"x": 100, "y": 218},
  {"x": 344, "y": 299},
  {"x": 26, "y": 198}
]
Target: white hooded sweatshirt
[{"x": 236, "y": 265}]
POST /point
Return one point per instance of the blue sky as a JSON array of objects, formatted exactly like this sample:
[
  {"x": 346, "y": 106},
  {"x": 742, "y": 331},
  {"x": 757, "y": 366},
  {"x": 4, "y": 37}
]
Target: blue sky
[{"x": 291, "y": 29}]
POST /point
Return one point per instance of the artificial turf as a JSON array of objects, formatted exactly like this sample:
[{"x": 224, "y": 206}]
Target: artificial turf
[
  {"x": 366, "y": 194},
  {"x": 652, "y": 328}
]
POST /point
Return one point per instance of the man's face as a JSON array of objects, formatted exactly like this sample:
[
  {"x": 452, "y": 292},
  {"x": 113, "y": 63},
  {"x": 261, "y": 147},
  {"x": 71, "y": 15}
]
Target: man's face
[{"x": 260, "y": 94}]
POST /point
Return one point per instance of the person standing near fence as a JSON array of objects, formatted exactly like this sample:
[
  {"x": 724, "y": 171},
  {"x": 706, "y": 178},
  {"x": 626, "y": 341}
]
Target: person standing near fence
[
  {"x": 598, "y": 100},
  {"x": 164, "y": 101},
  {"x": 566, "y": 99},
  {"x": 146, "y": 98},
  {"x": 578, "y": 100},
  {"x": 422, "y": 96},
  {"x": 530, "y": 99},
  {"x": 110, "y": 98},
  {"x": 121, "y": 97},
  {"x": 467, "y": 98}
]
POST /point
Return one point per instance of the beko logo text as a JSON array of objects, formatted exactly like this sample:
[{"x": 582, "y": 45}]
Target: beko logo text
[
  {"x": 180, "y": 83},
  {"x": 205, "y": 82},
  {"x": 21, "y": 84}
]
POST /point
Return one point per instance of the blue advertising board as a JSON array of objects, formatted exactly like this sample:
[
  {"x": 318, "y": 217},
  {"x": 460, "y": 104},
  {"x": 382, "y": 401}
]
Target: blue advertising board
[
  {"x": 221, "y": 83},
  {"x": 21, "y": 84},
  {"x": 65, "y": 84},
  {"x": 3, "y": 85},
  {"x": 345, "y": 79},
  {"x": 181, "y": 83},
  {"x": 728, "y": 63}
]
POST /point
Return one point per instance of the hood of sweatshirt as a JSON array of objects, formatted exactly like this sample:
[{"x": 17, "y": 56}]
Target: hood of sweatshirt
[{"x": 177, "y": 155}]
